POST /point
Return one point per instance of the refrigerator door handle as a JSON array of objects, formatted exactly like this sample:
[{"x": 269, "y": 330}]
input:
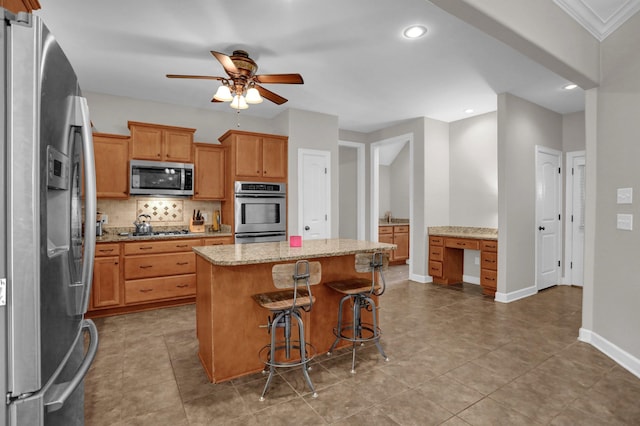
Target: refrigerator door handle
[
  {"x": 57, "y": 394},
  {"x": 90, "y": 207}
]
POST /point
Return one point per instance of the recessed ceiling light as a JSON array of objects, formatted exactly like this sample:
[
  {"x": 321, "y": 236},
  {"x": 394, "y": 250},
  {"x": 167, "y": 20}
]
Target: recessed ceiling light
[
  {"x": 468, "y": 111},
  {"x": 414, "y": 31},
  {"x": 569, "y": 86}
]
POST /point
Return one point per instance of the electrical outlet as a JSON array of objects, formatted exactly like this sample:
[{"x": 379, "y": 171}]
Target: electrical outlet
[
  {"x": 105, "y": 219},
  {"x": 477, "y": 260}
]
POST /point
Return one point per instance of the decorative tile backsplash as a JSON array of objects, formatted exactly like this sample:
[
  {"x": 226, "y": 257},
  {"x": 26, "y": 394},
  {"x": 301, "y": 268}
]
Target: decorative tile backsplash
[{"x": 162, "y": 210}]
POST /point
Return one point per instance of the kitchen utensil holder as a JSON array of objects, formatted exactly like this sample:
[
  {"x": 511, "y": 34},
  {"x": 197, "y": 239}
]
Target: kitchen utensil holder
[{"x": 196, "y": 226}]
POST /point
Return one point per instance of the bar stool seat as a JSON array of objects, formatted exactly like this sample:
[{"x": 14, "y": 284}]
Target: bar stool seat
[
  {"x": 286, "y": 305},
  {"x": 360, "y": 292}
]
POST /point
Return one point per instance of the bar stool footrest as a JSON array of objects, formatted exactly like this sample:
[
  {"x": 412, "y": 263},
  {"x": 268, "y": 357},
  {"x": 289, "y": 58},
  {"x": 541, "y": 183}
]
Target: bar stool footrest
[
  {"x": 369, "y": 333},
  {"x": 265, "y": 351}
]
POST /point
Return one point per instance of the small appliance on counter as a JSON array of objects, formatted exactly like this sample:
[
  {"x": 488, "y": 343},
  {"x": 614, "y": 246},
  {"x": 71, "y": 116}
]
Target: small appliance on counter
[
  {"x": 216, "y": 224},
  {"x": 98, "y": 225}
]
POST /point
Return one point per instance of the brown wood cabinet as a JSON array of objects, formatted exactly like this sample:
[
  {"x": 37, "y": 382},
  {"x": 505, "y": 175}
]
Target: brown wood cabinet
[
  {"x": 105, "y": 290},
  {"x": 256, "y": 156},
  {"x": 398, "y": 235},
  {"x": 158, "y": 142},
  {"x": 217, "y": 241},
  {"x": 16, "y": 6},
  {"x": 446, "y": 260},
  {"x": 210, "y": 171},
  {"x": 112, "y": 166}
]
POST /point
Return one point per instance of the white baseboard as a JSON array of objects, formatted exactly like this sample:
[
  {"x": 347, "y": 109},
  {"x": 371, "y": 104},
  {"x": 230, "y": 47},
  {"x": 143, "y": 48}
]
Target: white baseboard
[
  {"x": 420, "y": 278},
  {"x": 471, "y": 279},
  {"x": 515, "y": 295},
  {"x": 619, "y": 355}
]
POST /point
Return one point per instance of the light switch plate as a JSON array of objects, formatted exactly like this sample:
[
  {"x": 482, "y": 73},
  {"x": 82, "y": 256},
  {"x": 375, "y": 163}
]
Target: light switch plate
[
  {"x": 625, "y": 195},
  {"x": 625, "y": 222}
]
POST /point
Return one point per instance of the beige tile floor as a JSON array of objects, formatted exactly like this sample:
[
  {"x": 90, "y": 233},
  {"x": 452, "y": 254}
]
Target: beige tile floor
[{"x": 456, "y": 358}]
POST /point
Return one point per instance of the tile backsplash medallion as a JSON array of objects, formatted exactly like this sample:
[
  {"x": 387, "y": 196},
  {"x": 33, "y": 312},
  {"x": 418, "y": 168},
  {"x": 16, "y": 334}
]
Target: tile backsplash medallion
[{"x": 163, "y": 211}]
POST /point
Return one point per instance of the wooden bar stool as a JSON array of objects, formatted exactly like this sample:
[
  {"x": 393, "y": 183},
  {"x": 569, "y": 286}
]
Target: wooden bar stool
[
  {"x": 360, "y": 291},
  {"x": 296, "y": 281}
]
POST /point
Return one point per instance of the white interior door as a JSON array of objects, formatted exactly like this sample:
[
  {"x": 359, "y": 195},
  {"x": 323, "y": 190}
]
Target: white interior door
[
  {"x": 575, "y": 218},
  {"x": 548, "y": 206},
  {"x": 314, "y": 194}
]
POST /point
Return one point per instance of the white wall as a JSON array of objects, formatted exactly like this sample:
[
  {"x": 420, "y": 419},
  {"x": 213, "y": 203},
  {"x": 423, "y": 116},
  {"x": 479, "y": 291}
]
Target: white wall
[
  {"x": 521, "y": 126},
  {"x": 384, "y": 191},
  {"x": 473, "y": 171},
  {"x": 399, "y": 177},
  {"x": 573, "y": 132},
  {"x": 348, "y": 188}
]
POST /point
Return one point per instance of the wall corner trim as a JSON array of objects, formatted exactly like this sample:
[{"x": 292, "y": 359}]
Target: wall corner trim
[
  {"x": 515, "y": 295},
  {"x": 616, "y": 353}
]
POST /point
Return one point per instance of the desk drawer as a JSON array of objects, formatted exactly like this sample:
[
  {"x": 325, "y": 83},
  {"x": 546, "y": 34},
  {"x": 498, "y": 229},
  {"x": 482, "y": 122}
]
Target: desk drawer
[
  {"x": 488, "y": 278},
  {"x": 436, "y": 253},
  {"x": 157, "y": 265},
  {"x": 462, "y": 243},
  {"x": 159, "y": 288},
  {"x": 435, "y": 269},
  {"x": 489, "y": 260},
  {"x": 487, "y": 245},
  {"x": 436, "y": 241}
]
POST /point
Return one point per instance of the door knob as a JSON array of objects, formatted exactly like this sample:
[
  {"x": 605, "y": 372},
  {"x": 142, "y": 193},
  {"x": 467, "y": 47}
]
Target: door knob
[
  {"x": 306, "y": 228},
  {"x": 541, "y": 228}
]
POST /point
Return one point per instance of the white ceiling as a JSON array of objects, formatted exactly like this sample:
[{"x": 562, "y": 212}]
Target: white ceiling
[{"x": 354, "y": 60}]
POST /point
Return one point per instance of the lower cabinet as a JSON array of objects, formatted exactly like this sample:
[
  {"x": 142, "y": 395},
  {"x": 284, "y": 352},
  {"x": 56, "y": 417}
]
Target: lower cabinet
[
  {"x": 140, "y": 275},
  {"x": 398, "y": 235}
]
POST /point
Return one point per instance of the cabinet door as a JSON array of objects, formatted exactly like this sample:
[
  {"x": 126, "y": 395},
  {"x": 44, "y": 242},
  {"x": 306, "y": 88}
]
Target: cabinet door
[
  {"x": 274, "y": 158},
  {"x": 106, "y": 282},
  {"x": 387, "y": 238},
  {"x": 248, "y": 156},
  {"x": 401, "y": 239},
  {"x": 210, "y": 173},
  {"x": 177, "y": 146},
  {"x": 112, "y": 168},
  {"x": 146, "y": 143}
]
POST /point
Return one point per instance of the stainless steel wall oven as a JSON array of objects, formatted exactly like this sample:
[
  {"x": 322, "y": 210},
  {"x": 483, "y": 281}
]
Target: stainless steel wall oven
[{"x": 260, "y": 212}]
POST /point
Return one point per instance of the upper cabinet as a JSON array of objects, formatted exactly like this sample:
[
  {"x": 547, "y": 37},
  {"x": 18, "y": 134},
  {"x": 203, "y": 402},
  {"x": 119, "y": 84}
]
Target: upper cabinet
[
  {"x": 20, "y": 5},
  {"x": 256, "y": 156},
  {"x": 111, "y": 154},
  {"x": 160, "y": 143},
  {"x": 209, "y": 165}
]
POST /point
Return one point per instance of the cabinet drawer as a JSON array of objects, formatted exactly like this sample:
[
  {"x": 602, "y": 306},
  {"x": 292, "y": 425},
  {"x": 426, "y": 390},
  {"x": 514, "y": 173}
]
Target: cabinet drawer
[
  {"x": 487, "y": 245},
  {"x": 111, "y": 249},
  {"x": 159, "y": 288},
  {"x": 488, "y": 278},
  {"x": 166, "y": 246},
  {"x": 401, "y": 229},
  {"x": 436, "y": 241},
  {"x": 435, "y": 269},
  {"x": 158, "y": 265},
  {"x": 462, "y": 243},
  {"x": 217, "y": 241},
  {"x": 385, "y": 229},
  {"x": 436, "y": 253},
  {"x": 489, "y": 260}
]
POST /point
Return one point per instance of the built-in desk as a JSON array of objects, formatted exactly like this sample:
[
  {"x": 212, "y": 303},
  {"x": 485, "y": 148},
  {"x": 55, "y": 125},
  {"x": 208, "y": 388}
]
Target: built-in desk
[{"x": 446, "y": 254}]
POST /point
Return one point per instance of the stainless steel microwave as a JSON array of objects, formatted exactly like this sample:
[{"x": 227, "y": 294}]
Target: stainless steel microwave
[{"x": 160, "y": 178}]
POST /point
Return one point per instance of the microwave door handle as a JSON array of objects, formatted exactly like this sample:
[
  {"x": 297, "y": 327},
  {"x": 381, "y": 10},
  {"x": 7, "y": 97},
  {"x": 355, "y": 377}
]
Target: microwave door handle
[
  {"x": 182, "y": 178},
  {"x": 275, "y": 234}
]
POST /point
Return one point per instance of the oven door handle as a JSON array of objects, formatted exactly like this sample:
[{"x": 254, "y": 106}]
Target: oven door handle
[
  {"x": 259, "y": 196},
  {"x": 275, "y": 234}
]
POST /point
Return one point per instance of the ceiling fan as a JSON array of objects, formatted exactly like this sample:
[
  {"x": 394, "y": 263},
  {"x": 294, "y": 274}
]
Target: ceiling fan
[{"x": 241, "y": 87}]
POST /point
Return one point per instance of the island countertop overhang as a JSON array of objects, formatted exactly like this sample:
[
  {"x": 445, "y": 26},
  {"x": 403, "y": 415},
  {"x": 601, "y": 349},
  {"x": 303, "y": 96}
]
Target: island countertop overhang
[{"x": 248, "y": 254}]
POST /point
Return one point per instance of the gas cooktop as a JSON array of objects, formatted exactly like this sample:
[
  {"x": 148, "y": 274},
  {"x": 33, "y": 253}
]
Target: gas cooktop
[{"x": 160, "y": 233}]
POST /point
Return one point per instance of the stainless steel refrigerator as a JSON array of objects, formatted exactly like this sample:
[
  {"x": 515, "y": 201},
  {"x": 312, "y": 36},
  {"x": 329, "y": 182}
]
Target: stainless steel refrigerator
[{"x": 47, "y": 201}]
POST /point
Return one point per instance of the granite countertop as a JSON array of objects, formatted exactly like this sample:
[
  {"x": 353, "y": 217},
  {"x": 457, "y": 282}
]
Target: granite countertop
[
  {"x": 394, "y": 222},
  {"x": 116, "y": 235},
  {"x": 464, "y": 232},
  {"x": 247, "y": 254}
]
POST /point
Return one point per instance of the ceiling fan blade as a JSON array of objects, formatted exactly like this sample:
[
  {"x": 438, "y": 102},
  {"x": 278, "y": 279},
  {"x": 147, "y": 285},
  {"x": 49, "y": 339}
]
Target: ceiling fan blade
[
  {"x": 226, "y": 62},
  {"x": 215, "y": 100},
  {"x": 279, "y": 78},
  {"x": 268, "y": 94},
  {"x": 199, "y": 77}
]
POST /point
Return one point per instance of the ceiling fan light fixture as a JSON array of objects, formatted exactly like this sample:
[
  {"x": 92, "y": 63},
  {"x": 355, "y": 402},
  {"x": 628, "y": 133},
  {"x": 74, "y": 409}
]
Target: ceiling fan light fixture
[
  {"x": 239, "y": 102},
  {"x": 223, "y": 94},
  {"x": 253, "y": 96}
]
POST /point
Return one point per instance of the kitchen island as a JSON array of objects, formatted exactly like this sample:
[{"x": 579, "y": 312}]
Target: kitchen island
[{"x": 228, "y": 319}]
